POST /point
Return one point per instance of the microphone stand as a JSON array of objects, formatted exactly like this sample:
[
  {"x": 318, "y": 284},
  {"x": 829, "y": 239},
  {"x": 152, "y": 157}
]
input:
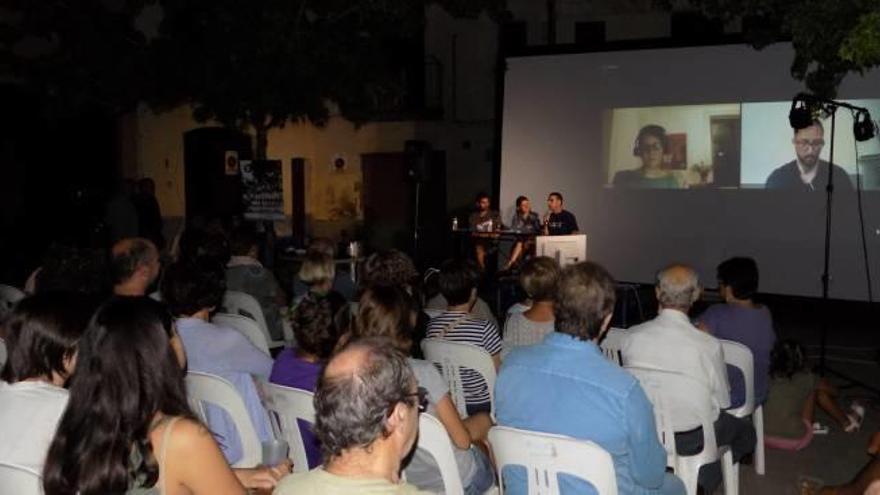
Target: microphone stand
[{"x": 830, "y": 107}]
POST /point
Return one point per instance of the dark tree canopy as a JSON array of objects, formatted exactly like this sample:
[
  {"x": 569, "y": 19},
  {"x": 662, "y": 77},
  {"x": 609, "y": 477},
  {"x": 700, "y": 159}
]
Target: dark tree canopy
[{"x": 831, "y": 38}]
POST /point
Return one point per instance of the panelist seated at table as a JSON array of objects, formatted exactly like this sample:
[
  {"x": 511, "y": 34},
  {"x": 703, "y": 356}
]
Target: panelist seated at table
[
  {"x": 481, "y": 223},
  {"x": 559, "y": 221},
  {"x": 524, "y": 221}
]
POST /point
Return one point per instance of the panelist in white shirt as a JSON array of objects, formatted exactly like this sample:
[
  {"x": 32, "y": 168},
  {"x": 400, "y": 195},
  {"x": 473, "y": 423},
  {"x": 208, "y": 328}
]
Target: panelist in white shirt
[{"x": 670, "y": 342}]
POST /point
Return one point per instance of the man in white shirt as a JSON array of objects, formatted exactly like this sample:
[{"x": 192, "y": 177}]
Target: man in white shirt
[{"x": 671, "y": 343}]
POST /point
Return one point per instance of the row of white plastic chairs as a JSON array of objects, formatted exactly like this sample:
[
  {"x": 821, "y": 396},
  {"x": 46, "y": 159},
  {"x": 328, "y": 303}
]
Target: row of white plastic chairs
[{"x": 544, "y": 456}]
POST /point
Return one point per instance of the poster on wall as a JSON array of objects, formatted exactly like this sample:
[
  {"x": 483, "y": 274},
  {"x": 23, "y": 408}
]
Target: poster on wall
[
  {"x": 262, "y": 193},
  {"x": 230, "y": 163}
]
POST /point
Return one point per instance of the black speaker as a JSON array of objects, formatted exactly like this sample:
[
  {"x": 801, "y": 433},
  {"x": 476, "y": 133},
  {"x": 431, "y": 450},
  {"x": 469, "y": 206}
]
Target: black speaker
[{"x": 417, "y": 160}]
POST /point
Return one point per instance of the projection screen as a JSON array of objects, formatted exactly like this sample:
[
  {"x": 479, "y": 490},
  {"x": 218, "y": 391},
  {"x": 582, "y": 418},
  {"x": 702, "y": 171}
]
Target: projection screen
[{"x": 686, "y": 154}]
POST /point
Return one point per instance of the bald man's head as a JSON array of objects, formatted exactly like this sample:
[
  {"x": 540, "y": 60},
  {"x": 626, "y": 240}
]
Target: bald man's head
[
  {"x": 134, "y": 257},
  {"x": 356, "y": 393},
  {"x": 678, "y": 287}
]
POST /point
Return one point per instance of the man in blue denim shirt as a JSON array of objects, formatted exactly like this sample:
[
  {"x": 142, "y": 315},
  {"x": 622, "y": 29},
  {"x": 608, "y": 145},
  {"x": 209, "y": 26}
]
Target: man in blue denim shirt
[{"x": 564, "y": 385}]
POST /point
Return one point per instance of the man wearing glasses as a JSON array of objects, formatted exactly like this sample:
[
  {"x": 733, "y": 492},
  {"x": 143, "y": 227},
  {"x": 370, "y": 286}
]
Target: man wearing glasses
[
  {"x": 808, "y": 172},
  {"x": 367, "y": 407}
]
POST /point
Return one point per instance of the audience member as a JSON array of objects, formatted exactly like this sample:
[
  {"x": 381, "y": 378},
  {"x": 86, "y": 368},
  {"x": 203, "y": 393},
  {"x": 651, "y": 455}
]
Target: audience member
[
  {"x": 245, "y": 273},
  {"x": 458, "y": 284},
  {"x": 134, "y": 265},
  {"x": 318, "y": 323},
  {"x": 390, "y": 312},
  {"x": 41, "y": 335},
  {"x": 548, "y": 386},
  {"x": 317, "y": 273},
  {"x": 437, "y": 302},
  {"x": 670, "y": 342},
  {"x": 193, "y": 291},
  {"x": 393, "y": 268},
  {"x": 367, "y": 418},
  {"x": 538, "y": 278},
  {"x": 342, "y": 282},
  {"x": 742, "y": 320},
  {"x": 128, "y": 427},
  {"x": 794, "y": 393},
  {"x": 866, "y": 482}
]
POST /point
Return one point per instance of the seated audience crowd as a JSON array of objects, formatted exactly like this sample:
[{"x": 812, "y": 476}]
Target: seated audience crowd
[{"x": 93, "y": 392}]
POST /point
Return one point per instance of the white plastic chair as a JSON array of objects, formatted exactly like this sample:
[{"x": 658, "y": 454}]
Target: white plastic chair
[
  {"x": 612, "y": 345},
  {"x": 204, "y": 388},
  {"x": 19, "y": 480},
  {"x": 433, "y": 313},
  {"x": 698, "y": 403},
  {"x": 451, "y": 357},
  {"x": 545, "y": 456},
  {"x": 288, "y": 405},
  {"x": 245, "y": 325},
  {"x": 740, "y": 356},
  {"x": 434, "y": 439},
  {"x": 241, "y": 303},
  {"x": 9, "y": 297}
]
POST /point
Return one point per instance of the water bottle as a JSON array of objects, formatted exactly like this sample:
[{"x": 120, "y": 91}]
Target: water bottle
[{"x": 454, "y": 224}]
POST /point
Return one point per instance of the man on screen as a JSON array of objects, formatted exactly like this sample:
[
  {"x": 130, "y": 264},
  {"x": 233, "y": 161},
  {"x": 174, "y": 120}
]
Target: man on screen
[
  {"x": 808, "y": 172},
  {"x": 558, "y": 221}
]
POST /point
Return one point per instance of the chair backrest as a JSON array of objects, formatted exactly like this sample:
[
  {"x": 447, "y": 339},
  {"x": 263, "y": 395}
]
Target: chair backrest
[
  {"x": 202, "y": 388},
  {"x": 288, "y": 405},
  {"x": 740, "y": 356},
  {"x": 433, "y": 313},
  {"x": 19, "y": 480},
  {"x": 668, "y": 402},
  {"x": 612, "y": 345},
  {"x": 9, "y": 296},
  {"x": 451, "y": 357},
  {"x": 245, "y": 325},
  {"x": 545, "y": 456},
  {"x": 434, "y": 439},
  {"x": 241, "y": 303}
]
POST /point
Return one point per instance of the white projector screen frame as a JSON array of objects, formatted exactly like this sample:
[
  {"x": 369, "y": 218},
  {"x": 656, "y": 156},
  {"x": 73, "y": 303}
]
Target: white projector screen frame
[{"x": 553, "y": 140}]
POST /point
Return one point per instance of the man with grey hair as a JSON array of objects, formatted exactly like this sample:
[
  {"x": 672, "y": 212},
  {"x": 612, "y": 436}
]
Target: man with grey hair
[
  {"x": 134, "y": 264},
  {"x": 367, "y": 408},
  {"x": 670, "y": 342}
]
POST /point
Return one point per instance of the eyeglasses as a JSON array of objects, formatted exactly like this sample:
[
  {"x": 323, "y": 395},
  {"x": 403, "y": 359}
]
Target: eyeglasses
[
  {"x": 422, "y": 394},
  {"x": 647, "y": 148},
  {"x": 809, "y": 143}
]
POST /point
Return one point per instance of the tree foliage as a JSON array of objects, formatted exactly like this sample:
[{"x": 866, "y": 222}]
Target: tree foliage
[
  {"x": 830, "y": 37},
  {"x": 254, "y": 63}
]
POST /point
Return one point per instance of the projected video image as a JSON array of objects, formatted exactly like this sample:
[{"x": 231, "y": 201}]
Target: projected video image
[
  {"x": 774, "y": 156},
  {"x": 673, "y": 147}
]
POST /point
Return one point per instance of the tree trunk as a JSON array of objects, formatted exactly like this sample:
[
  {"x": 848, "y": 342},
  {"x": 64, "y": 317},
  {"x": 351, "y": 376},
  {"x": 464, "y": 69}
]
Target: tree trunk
[{"x": 262, "y": 132}]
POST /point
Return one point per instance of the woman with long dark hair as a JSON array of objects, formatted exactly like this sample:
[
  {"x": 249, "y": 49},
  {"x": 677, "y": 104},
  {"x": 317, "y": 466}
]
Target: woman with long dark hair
[{"x": 128, "y": 427}]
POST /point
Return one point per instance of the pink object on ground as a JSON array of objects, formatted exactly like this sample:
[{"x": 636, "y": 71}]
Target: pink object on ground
[{"x": 783, "y": 443}]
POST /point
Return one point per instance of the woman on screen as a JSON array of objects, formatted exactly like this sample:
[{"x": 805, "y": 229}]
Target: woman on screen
[{"x": 651, "y": 146}]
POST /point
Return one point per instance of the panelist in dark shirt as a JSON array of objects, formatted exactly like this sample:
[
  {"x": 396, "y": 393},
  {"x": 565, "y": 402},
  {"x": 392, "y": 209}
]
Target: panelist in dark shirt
[{"x": 558, "y": 221}]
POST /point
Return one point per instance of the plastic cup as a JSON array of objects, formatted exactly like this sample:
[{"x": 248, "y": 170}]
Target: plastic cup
[{"x": 274, "y": 451}]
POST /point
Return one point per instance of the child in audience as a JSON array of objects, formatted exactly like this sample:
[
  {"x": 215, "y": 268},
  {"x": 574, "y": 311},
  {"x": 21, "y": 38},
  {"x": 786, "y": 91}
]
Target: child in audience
[
  {"x": 391, "y": 312},
  {"x": 794, "y": 393},
  {"x": 538, "y": 278},
  {"x": 128, "y": 427},
  {"x": 742, "y": 320},
  {"x": 41, "y": 336},
  {"x": 317, "y": 273},
  {"x": 318, "y": 322}
]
